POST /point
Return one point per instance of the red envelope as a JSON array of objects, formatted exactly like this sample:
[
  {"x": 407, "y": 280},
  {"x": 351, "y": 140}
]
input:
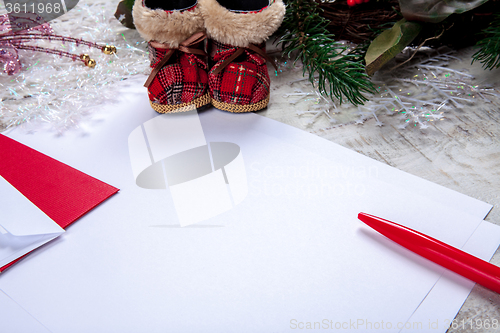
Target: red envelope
[{"x": 60, "y": 191}]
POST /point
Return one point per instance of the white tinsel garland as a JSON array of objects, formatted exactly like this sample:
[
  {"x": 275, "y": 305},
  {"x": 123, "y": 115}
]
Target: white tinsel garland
[
  {"x": 60, "y": 91},
  {"x": 416, "y": 94}
]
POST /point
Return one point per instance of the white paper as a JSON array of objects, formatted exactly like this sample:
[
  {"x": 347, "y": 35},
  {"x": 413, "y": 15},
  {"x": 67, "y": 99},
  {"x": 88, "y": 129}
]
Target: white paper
[
  {"x": 171, "y": 150},
  {"x": 23, "y": 227},
  {"x": 292, "y": 253}
]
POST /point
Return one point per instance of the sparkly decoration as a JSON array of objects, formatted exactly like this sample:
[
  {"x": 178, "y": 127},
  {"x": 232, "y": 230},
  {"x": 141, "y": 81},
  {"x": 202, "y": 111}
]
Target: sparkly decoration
[
  {"x": 422, "y": 90},
  {"x": 58, "y": 92},
  {"x": 419, "y": 92},
  {"x": 31, "y": 27},
  {"x": 10, "y": 43}
]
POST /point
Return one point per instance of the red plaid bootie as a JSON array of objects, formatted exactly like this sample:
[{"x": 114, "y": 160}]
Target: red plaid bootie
[
  {"x": 175, "y": 34},
  {"x": 239, "y": 80}
]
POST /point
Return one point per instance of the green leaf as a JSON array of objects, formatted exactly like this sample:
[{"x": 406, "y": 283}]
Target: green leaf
[{"x": 389, "y": 43}]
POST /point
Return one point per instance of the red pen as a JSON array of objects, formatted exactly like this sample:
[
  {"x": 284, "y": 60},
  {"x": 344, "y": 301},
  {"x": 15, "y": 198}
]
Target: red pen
[{"x": 456, "y": 260}]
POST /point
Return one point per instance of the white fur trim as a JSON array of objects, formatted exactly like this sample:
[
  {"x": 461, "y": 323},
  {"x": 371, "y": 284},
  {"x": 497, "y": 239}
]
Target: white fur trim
[
  {"x": 169, "y": 27},
  {"x": 241, "y": 29}
]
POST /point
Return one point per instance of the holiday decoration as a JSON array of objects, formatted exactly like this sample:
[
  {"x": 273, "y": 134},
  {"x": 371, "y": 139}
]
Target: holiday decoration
[
  {"x": 181, "y": 80},
  {"x": 306, "y": 35},
  {"x": 239, "y": 79},
  {"x": 389, "y": 43},
  {"x": 326, "y": 40},
  {"x": 31, "y": 27},
  {"x": 341, "y": 71},
  {"x": 124, "y": 13},
  {"x": 422, "y": 90},
  {"x": 489, "y": 53},
  {"x": 435, "y": 11},
  {"x": 392, "y": 41},
  {"x": 178, "y": 80},
  {"x": 57, "y": 91},
  {"x": 361, "y": 23},
  {"x": 356, "y": 2}
]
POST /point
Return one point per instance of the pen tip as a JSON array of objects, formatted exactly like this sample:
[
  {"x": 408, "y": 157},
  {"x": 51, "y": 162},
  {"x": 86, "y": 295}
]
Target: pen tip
[{"x": 361, "y": 215}]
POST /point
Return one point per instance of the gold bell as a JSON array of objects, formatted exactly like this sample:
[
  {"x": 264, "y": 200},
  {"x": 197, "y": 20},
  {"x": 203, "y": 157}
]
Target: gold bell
[
  {"x": 84, "y": 57},
  {"x": 109, "y": 49},
  {"x": 90, "y": 63}
]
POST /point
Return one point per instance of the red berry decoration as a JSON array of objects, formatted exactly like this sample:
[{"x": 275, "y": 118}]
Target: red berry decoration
[{"x": 355, "y": 2}]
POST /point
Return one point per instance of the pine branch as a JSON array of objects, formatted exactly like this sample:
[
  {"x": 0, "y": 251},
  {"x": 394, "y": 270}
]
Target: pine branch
[
  {"x": 489, "y": 53},
  {"x": 341, "y": 73}
]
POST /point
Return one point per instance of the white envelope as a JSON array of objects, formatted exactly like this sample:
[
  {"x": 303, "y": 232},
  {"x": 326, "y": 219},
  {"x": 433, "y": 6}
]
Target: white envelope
[
  {"x": 23, "y": 227},
  {"x": 16, "y": 320},
  {"x": 290, "y": 253}
]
